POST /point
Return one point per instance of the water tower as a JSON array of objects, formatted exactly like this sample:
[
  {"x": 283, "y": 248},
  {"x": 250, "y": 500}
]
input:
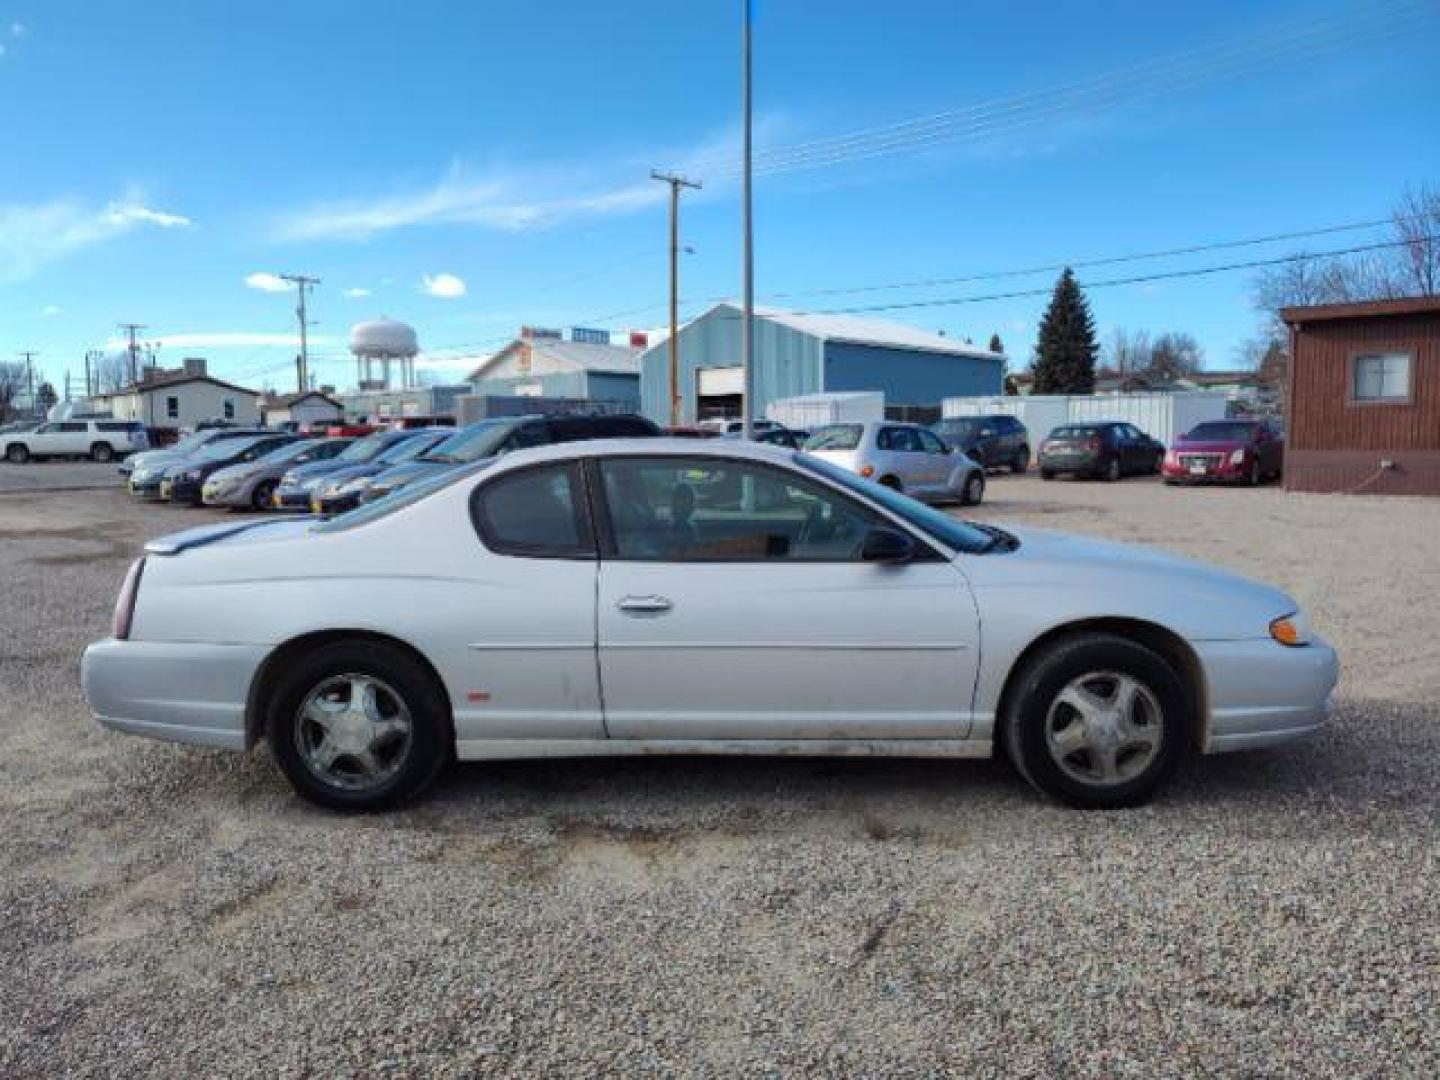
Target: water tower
[{"x": 376, "y": 345}]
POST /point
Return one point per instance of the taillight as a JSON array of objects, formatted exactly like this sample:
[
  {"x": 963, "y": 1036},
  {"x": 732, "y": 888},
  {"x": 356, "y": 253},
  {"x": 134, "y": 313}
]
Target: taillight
[{"x": 125, "y": 602}]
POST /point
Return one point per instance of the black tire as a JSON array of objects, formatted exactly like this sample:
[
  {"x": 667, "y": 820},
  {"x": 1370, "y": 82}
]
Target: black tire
[
  {"x": 102, "y": 452},
  {"x": 892, "y": 483},
  {"x": 1253, "y": 478},
  {"x": 1047, "y": 474},
  {"x": 1038, "y": 685},
  {"x": 260, "y": 497},
  {"x": 431, "y": 743},
  {"x": 17, "y": 453},
  {"x": 1021, "y": 463},
  {"x": 1112, "y": 472},
  {"x": 973, "y": 493}
]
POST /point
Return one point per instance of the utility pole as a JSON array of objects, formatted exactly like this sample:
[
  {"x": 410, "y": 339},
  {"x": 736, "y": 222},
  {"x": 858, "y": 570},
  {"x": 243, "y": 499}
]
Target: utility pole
[
  {"x": 676, "y": 182},
  {"x": 747, "y": 274},
  {"x": 302, "y": 285},
  {"x": 133, "y": 330},
  {"x": 29, "y": 355}
]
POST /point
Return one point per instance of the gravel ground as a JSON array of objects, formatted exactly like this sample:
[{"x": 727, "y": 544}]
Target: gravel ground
[
  {"x": 177, "y": 911},
  {"x": 57, "y": 476}
]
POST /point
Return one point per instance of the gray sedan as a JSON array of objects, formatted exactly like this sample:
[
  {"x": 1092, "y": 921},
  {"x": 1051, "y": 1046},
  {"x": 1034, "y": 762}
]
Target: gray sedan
[
  {"x": 250, "y": 484},
  {"x": 902, "y": 457}
]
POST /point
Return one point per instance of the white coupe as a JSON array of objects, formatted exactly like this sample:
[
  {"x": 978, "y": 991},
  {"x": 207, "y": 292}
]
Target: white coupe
[{"x": 659, "y": 596}]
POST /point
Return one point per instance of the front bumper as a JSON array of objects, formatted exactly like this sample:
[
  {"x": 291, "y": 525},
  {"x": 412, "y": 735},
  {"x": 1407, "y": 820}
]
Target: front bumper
[
  {"x": 148, "y": 488},
  {"x": 181, "y": 491},
  {"x": 187, "y": 693},
  {"x": 291, "y": 497},
  {"x": 1262, "y": 693},
  {"x": 236, "y": 495},
  {"x": 1222, "y": 472}
]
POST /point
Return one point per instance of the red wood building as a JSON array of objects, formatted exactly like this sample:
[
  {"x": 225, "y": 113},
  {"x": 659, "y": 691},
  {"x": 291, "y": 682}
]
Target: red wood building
[{"x": 1363, "y": 406}]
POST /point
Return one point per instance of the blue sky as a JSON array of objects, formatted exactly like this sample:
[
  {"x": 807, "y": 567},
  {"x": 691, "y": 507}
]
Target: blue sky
[{"x": 155, "y": 156}]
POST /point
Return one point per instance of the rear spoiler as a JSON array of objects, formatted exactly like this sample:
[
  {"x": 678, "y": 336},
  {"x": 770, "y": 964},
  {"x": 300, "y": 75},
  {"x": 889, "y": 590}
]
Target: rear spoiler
[{"x": 175, "y": 543}]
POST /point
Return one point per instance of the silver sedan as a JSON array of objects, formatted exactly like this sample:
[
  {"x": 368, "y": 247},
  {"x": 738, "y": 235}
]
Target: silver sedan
[{"x": 903, "y": 457}]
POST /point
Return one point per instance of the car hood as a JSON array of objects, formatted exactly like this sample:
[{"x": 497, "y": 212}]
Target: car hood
[
  {"x": 354, "y": 472},
  {"x": 234, "y": 472},
  {"x": 1081, "y": 577},
  {"x": 316, "y": 468}
]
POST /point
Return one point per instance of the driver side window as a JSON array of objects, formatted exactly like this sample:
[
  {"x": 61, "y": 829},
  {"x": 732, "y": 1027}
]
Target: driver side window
[{"x": 713, "y": 510}]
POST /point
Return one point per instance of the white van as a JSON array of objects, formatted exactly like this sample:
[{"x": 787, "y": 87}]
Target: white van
[{"x": 99, "y": 440}]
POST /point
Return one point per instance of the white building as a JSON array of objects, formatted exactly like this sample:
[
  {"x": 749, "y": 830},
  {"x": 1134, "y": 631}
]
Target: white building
[
  {"x": 311, "y": 407},
  {"x": 181, "y": 399}
]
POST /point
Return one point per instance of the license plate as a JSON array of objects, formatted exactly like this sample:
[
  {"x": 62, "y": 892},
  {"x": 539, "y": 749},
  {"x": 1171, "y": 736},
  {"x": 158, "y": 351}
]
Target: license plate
[{"x": 1198, "y": 468}]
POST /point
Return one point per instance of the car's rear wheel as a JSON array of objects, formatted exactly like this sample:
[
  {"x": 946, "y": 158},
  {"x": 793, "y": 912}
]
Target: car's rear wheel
[
  {"x": 974, "y": 490},
  {"x": 1022, "y": 461},
  {"x": 1097, "y": 720},
  {"x": 1111, "y": 471},
  {"x": 358, "y": 725},
  {"x": 1254, "y": 477},
  {"x": 261, "y": 496},
  {"x": 1047, "y": 474},
  {"x": 102, "y": 452},
  {"x": 17, "y": 453}
]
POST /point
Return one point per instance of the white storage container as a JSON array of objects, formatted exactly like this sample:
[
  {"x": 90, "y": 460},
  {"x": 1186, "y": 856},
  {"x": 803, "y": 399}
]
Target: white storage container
[{"x": 809, "y": 411}]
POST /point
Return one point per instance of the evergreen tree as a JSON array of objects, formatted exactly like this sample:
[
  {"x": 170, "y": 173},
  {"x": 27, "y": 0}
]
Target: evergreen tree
[
  {"x": 1066, "y": 350},
  {"x": 996, "y": 345}
]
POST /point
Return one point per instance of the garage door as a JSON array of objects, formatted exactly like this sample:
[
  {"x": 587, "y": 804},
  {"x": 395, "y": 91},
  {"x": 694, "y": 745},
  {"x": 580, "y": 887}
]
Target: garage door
[{"x": 720, "y": 381}]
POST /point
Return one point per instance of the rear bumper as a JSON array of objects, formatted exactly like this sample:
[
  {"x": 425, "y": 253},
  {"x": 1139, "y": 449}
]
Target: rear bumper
[
  {"x": 1071, "y": 464},
  {"x": 1264, "y": 694},
  {"x": 186, "y": 693}
]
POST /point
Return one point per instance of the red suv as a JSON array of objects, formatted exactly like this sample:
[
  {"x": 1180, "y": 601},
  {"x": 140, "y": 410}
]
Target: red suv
[{"x": 1227, "y": 451}]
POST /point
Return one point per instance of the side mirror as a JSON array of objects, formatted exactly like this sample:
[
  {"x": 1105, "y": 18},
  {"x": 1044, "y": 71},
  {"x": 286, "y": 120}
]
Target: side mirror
[{"x": 887, "y": 545}]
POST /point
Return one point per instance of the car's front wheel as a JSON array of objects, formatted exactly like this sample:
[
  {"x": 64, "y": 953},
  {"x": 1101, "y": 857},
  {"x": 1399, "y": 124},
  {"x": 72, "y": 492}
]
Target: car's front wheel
[
  {"x": 102, "y": 452},
  {"x": 261, "y": 496},
  {"x": 1022, "y": 461},
  {"x": 358, "y": 725},
  {"x": 1097, "y": 720},
  {"x": 17, "y": 453},
  {"x": 974, "y": 490}
]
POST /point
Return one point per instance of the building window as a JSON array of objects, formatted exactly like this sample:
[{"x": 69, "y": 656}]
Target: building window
[
  {"x": 1381, "y": 377},
  {"x": 172, "y": 407},
  {"x": 229, "y": 408}
]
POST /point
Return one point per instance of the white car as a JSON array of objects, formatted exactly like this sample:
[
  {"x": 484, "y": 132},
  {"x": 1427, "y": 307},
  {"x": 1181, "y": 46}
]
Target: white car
[
  {"x": 902, "y": 457},
  {"x": 668, "y": 596},
  {"x": 98, "y": 440}
]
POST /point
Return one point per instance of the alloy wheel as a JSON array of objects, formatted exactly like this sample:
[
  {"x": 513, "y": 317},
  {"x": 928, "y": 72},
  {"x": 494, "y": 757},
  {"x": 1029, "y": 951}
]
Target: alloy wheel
[
  {"x": 353, "y": 732},
  {"x": 1104, "y": 728}
]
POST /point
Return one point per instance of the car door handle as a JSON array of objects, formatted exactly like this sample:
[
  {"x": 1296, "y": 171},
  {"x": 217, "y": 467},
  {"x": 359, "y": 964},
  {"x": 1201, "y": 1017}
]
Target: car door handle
[{"x": 644, "y": 605}]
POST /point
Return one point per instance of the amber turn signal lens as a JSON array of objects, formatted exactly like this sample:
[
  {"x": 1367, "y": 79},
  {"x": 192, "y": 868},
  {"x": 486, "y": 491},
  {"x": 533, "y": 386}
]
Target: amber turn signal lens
[
  {"x": 867, "y": 471},
  {"x": 1285, "y": 632}
]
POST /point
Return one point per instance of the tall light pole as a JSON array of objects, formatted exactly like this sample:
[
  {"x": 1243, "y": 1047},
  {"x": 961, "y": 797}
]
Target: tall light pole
[
  {"x": 302, "y": 285},
  {"x": 131, "y": 331},
  {"x": 747, "y": 287},
  {"x": 676, "y": 182}
]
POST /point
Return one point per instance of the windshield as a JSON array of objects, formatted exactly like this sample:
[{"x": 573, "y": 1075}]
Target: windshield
[
  {"x": 836, "y": 437},
  {"x": 372, "y": 446},
  {"x": 290, "y": 451},
  {"x": 397, "y": 499},
  {"x": 1221, "y": 432},
  {"x": 224, "y": 448},
  {"x": 475, "y": 442},
  {"x": 407, "y": 450},
  {"x": 956, "y": 427},
  {"x": 1077, "y": 433},
  {"x": 954, "y": 533}
]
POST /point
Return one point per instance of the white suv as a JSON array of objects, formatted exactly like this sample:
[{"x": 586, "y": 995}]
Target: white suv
[{"x": 99, "y": 440}]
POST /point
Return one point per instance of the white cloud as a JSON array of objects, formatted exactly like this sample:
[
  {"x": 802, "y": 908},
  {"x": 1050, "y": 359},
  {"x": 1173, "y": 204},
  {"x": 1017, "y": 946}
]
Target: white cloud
[
  {"x": 50, "y": 311},
  {"x": 357, "y": 293},
  {"x": 265, "y": 281},
  {"x": 231, "y": 339},
  {"x": 443, "y": 286},
  {"x": 17, "y": 29},
  {"x": 35, "y": 234}
]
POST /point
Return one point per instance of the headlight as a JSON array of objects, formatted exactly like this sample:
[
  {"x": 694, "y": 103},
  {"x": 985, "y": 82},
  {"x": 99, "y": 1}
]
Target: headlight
[
  {"x": 1237, "y": 456},
  {"x": 1292, "y": 629},
  {"x": 354, "y": 487}
]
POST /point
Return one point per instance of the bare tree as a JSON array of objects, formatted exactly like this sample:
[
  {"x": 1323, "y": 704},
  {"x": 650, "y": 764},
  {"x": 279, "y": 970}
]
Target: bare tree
[
  {"x": 1174, "y": 355},
  {"x": 1416, "y": 223},
  {"x": 12, "y": 382},
  {"x": 111, "y": 372},
  {"x": 1128, "y": 351}
]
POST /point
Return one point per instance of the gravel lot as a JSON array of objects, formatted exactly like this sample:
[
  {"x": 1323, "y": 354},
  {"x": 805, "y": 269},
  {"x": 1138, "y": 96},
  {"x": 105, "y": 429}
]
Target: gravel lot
[{"x": 175, "y": 911}]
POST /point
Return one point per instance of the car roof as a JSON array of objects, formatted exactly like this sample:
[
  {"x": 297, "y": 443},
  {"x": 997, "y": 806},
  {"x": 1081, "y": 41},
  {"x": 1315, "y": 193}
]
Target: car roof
[{"x": 657, "y": 446}]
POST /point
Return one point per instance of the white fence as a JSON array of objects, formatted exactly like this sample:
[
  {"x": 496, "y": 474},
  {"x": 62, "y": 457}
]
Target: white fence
[{"x": 1160, "y": 415}]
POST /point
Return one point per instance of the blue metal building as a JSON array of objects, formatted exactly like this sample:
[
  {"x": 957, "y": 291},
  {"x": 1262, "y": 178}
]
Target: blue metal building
[
  {"x": 801, "y": 353},
  {"x": 543, "y": 364}
]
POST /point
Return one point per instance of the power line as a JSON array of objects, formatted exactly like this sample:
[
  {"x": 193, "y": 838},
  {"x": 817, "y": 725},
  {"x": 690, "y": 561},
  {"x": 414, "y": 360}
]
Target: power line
[
  {"x": 1137, "y": 279},
  {"x": 1288, "y": 42}
]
